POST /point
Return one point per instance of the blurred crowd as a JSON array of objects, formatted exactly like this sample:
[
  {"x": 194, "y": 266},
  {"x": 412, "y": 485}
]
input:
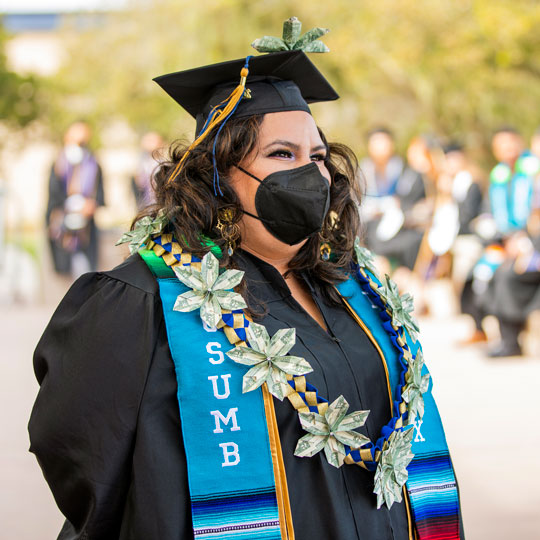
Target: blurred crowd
[{"x": 432, "y": 214}]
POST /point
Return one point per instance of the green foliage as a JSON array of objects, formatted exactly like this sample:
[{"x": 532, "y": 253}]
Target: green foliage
[
  {"x": 451, "y": 67},
  {"x": 18, "y": 104}
]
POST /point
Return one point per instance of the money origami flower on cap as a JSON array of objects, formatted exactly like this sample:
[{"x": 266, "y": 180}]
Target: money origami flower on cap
[
  {"x": 269, "y": 360},
  {"x": 331, "y": 432},
  {"x": 391, "y": 472},
  {"x": 292, "y": 41},
  {"x": 209, "y": 290}
]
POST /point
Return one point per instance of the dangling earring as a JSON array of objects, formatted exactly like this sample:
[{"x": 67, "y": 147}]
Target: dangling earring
[
  {"x": 325, "y": 249},
  {"x": 229, "y": 230}
]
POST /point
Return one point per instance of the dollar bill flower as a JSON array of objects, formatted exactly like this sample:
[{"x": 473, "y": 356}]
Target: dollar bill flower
[
  {"x": 144, "y": 229},
  {"x": 292, "y": 41},
  {"x": 269, "y": 360},
  {"x": 364, "y": 258},
  {"x": 401, "y": 307},
  {"x": 210, "y": 292},
  {"x": 391, "y": 473},
  {"x": 331, "y": 432},
  {"x": 416, "y": 385}
]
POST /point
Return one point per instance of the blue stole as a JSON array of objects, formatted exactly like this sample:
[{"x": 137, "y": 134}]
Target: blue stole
[
  {"x": 230, "y": 472},
  {"x": 431, "y": 485},
  {"x": 225, "y": 432}
]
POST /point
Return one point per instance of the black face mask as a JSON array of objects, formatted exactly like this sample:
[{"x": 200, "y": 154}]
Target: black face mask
[{"x": 292, "y": 204}]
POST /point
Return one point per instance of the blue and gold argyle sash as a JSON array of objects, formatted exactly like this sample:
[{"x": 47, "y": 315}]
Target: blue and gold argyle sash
[{"x": 225, "y": 433}]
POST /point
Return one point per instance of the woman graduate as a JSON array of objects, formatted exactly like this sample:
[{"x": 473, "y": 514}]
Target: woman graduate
[{"x": 245, "y": 374}]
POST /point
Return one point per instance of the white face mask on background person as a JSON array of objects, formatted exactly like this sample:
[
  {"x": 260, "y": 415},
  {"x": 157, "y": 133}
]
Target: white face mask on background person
[{"x": 74, "y": 153}]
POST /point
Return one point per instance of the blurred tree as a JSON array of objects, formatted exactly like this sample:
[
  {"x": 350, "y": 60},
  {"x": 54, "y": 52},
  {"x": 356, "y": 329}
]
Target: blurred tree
[
  {"x": 18, "y": 104},
  {"x": 457, "y": 68}
]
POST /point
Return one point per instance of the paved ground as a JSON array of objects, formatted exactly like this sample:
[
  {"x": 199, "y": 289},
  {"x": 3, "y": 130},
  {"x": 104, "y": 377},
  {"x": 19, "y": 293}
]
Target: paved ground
[{"x": 490, "y": 410}]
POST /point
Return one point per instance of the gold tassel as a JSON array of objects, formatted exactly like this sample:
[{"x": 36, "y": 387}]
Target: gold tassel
[{"x": 233, "y": 99}]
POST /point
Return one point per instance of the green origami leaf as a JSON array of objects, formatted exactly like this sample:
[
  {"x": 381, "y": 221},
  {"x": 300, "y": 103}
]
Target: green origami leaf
[
  {"x": 211, "y": 311},
  {"x": 255, "y": 377},
  {"x": 309, "y": 445},
  {"x": 258, "y": 337},
  {"x": 354, "y": 420},
  {"x": 416, "y": 385},
  {"x": 291, "y": 31},
  {"x": 336, "y": 412},
  {"x": 282, "y": 342},
  {"x": 400, "y": 307},
  {"x": 269, "y": 44},
  {"x": 267, "y": 365},
  {"x": 293, "y": 365},
  {"x": 209, "y": 285},
  {"x": 190, "y": 277},
  {"x": 276, "y": 382},
  {"x": 144, "y": 229},
  {"x": 230, "y": 300},
  {"x": 246, "y": 356},
  {"x": 351, "y": 438},
  {"x": 228, "y": 279},
  {"x": 336, "y": 428},
  {"x": 364, "y": 258},
  {"x": 309, "y": 37},
  {"x": 391, "y": 473},
  {"x": 189, "y": 301},
  {"x": 334, "y": 452},
  {"x": 291, "y": 39},
  {"x": 210, "y": 271},
  {"x": 314, "y": 423},
  {"x": 316, "y": 47}
]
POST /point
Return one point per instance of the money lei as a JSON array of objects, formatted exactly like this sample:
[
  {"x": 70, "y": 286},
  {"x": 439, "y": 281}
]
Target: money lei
[{"x": 269, "y": 363}]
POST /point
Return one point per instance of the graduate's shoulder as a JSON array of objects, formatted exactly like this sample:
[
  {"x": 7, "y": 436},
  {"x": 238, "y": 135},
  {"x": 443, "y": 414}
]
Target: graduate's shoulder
[{"x": 135, "y": 273}]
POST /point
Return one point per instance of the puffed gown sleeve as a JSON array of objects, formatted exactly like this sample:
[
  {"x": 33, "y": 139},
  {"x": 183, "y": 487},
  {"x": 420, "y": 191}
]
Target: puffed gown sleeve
[{"x": 92, "y": 364}]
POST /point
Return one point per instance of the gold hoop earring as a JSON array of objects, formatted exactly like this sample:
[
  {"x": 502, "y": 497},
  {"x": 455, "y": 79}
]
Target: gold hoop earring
[{"x": 230, "y": 231}]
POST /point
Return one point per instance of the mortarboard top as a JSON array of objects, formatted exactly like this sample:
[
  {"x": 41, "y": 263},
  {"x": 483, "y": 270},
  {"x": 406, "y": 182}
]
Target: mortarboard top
[{"x": 279, "y": 81}]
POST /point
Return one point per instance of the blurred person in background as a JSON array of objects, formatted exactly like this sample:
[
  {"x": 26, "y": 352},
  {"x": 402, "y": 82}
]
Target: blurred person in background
[
  {"x": 462, "y": 182},
  {"x": 141, "y": 183},
  {"x": 75, "y": 193},
  {"x": 504, "y": 231},
  {"x": 394, "y": 189}
]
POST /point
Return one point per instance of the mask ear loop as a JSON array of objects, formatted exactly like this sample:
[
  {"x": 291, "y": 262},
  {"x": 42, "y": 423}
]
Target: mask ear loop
[{"x": 249, "y": 174}]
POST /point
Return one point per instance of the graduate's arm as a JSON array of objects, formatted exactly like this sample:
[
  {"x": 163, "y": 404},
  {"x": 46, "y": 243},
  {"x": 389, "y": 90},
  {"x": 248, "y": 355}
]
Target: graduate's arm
[{"x": 92, "y": 363}]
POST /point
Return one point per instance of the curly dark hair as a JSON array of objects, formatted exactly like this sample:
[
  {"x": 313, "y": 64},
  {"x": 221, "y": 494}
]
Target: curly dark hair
[{"x": 192, "y": 207}]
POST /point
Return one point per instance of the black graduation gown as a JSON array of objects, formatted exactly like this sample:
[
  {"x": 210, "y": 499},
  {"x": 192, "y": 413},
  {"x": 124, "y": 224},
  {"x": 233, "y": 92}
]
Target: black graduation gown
[
  {"x": 106, "y": 431},
  {"x": 57, "y": 197},
  {"x": 515, "y": 295}
]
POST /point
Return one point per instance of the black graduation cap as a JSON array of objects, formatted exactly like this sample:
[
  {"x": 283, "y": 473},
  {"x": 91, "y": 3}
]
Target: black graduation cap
[{"x": 279, "y": 81}]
